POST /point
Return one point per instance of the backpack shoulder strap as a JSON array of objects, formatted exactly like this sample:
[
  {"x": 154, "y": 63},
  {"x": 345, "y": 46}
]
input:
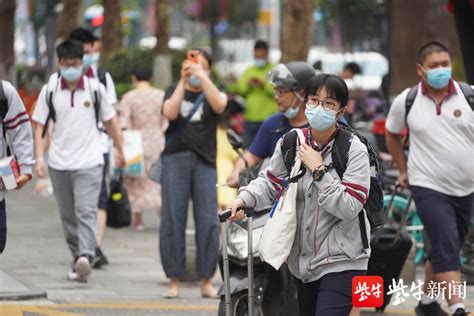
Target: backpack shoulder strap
[
  {"x": 96, "y": 96},
  {"x": 51, "y": 87},
  {"x": 468, "y": 93},
  {"x": 102, "y": 77},
  {"x": 3, "y": 102},
  {"x": 409, "y": 101},
  {"x": 340, "y": 150},
  {"x": 288, "y": 149}
]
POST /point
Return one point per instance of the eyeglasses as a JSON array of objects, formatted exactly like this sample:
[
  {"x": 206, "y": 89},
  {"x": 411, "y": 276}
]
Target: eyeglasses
[{"x": 313, "y": 102}]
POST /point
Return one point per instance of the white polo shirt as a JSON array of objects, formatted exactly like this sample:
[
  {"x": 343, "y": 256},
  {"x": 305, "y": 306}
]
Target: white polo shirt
[
  {"x": 441, "y": 140},
  {"x": 75, "y": 138}
]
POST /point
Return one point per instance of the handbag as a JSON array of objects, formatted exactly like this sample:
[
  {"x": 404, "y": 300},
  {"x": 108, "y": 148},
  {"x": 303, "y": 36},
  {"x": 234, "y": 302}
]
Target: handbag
[
  {"x": 155, "y": 170},
  {"x": 119, "y": 213},
  {"x": 279, "y": 231}
]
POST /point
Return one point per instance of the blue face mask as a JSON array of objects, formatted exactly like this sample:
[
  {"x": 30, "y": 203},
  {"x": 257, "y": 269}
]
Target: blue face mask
[
  {"x": 194, "y": 81},
  {"x": 439, "y": 77},
  {"x": 71, "y": 73},
  {"x": 90, "y": 59},
  {"x": 319, "y": 118},
  {"x": 260, "y": 62},
  {"x": 291, "y": 113}
]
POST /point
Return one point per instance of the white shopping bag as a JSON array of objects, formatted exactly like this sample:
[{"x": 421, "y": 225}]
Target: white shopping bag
[
  {"x": 279, "y": 231},
  {"x": 133, "y": 152}
]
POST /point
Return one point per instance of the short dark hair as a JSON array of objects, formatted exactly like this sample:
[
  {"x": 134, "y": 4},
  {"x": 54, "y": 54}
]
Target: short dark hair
[
  {"x": 142, "y": 72},
  {"x": 83, "y": 35},
  {"x": 260, "y": 44},
  {"x": 353, "y": 67},
  {"x": 430, "y": 48},
  {"x": 335, "y": 87},
  {"x": 70, "y": 49}
]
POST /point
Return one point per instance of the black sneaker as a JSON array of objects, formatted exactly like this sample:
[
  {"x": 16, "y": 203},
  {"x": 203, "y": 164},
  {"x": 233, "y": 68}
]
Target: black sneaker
[
  {"x": 100, "y": 259},
  {"x": 460, "y": 312},
  {"x": 432, "y": 309}
]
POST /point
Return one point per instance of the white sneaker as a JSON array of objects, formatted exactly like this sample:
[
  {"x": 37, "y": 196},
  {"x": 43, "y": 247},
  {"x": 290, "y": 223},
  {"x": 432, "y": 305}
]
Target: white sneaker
[
  {"x": 72, "y": 275},
  {"x": 82, "y": 267}
]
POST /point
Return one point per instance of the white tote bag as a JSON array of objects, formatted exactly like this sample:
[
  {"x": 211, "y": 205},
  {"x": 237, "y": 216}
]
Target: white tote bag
[
  {"x": 279, "y": 231},
  {"x": 134, "y": 155}
]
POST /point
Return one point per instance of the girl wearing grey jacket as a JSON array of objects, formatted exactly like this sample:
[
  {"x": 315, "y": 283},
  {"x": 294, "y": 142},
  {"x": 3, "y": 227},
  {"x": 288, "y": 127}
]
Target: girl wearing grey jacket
[{"x": 327, "y": 251}]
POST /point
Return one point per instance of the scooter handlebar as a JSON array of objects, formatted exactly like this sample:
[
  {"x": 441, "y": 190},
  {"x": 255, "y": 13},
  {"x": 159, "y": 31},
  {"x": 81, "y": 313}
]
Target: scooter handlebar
[
  {"x": 228, "y": 212},
  {"x": 225, "y": 215}
]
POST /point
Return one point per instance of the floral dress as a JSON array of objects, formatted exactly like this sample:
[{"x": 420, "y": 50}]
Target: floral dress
[{"x": 140, "y": 110}]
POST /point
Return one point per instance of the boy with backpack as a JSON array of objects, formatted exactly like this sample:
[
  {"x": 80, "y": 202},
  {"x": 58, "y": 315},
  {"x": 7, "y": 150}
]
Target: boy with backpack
[
  {"x": 91, "y": 59},
  {"x": 75, "y": 104},
  {"x": 16, "y": 127}
]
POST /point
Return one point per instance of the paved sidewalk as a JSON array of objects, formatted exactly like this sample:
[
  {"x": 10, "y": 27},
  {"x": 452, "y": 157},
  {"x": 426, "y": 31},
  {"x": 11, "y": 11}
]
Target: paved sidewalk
[{"x": 36, "y": 260}]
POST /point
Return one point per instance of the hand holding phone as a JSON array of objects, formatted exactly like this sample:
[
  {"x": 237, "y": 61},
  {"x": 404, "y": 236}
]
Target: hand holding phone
[{"x": 193, "y": 55}]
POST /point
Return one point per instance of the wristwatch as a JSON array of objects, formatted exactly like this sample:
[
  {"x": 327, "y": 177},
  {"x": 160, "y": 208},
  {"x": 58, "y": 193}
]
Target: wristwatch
[{"x": 319, "y": 172}]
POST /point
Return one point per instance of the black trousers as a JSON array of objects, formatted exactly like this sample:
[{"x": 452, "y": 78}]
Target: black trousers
[
  {"x": 3, "y": 226},
  {"x": 329, "y": 296}
]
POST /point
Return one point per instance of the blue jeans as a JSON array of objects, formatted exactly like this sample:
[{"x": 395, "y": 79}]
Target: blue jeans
[{"x": 185, "y": 176}]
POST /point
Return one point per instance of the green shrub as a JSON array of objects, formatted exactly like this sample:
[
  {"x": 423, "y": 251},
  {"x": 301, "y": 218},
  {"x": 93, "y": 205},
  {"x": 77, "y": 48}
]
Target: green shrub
[{"x": 120, "y": 65}]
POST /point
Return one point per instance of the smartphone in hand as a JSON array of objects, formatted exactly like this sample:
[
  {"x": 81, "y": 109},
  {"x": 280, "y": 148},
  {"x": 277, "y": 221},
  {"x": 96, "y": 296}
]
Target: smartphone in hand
[{"x": 193, "y": 55}]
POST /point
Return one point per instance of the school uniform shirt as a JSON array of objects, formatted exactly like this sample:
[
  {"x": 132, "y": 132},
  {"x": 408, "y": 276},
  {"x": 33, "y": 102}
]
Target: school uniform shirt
[
  {"x": 441, "y": 140},
  {"x": 75, "y": 137}
]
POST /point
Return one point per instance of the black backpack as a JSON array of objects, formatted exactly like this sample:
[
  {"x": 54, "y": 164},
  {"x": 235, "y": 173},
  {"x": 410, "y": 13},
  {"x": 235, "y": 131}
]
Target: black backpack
[
  {"x": 376, "y": 212},
  {"x": 118, "y": 207}
]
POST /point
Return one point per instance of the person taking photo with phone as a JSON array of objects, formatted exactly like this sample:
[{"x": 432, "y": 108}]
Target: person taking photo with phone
[{"x": 188, "y": 163}]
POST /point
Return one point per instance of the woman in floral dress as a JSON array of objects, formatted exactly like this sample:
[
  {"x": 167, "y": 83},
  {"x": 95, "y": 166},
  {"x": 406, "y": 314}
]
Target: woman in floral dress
[{"x": 140, "y": 109}]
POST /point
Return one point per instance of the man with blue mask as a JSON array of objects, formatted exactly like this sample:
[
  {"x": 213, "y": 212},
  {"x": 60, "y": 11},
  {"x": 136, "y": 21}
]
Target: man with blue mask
[
  {"x": 74, "y": 104},
  {"x": 438, "y": 115},
  {"x": 91, "y": 70},
  {"x": 258, "y": 94},
  {"x": 289, "y": 81}
]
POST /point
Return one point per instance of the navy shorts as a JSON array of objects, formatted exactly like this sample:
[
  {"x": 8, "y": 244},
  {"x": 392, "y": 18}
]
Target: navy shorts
[
  {"x": 329, "y": 296},
  {"x": 104, "y": 196},
  {"x": 446, "y": 220}
]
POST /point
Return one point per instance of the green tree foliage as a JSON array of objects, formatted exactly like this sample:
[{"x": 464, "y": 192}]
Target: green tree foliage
[{"x": 121, "y": 63}]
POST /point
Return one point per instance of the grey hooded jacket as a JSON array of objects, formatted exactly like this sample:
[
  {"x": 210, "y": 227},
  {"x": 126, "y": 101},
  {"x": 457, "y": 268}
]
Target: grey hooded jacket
[
  {"x": 18, "y": 132},
  {"x": 328, "y": 237}
]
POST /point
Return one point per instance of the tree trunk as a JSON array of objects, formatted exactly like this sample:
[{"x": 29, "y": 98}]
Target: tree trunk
[
  {"x": 51, "y": 29},
  {"x": 464, "y": 17},
  {"x": 69, "y": 18},
  {"x": 112, "y": 29},
  {"x": 297, "y": 27},
  {"x": 162, "y": 72},
  {"x": 414, "y": 23},
  {"x": 163, "y": 13},
  {"x": 7, "y": 29}
]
